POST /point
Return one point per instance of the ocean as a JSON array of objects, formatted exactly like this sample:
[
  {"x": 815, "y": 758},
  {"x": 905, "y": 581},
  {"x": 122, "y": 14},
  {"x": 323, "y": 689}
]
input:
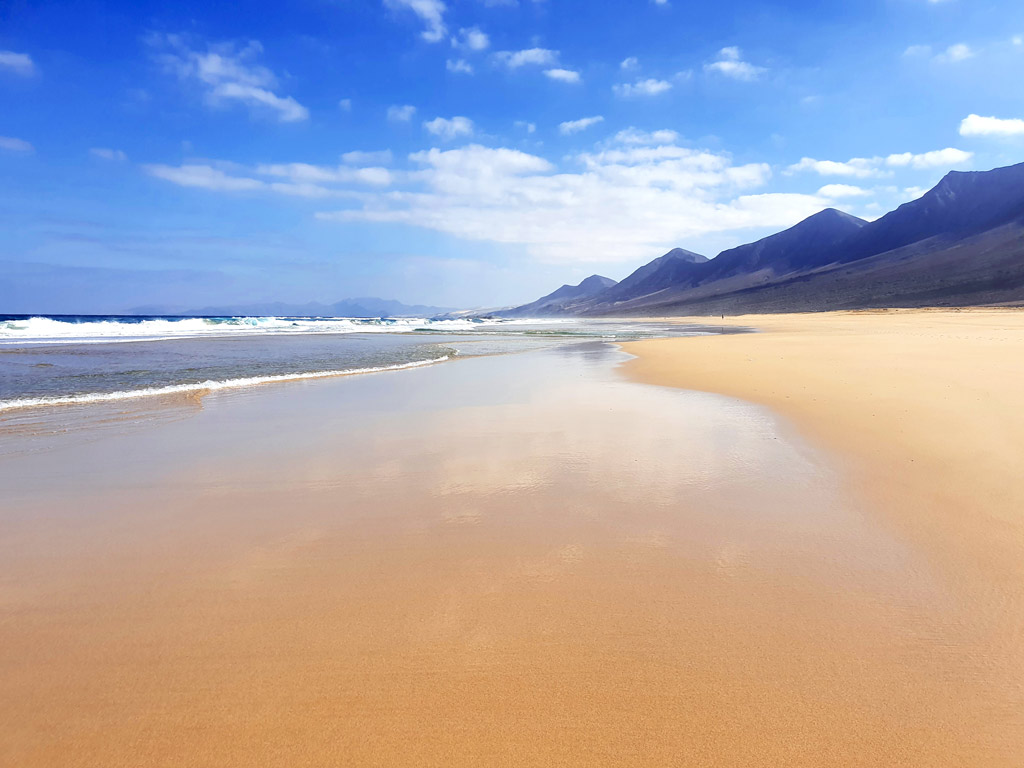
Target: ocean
[{"x": 50, "y": 360}]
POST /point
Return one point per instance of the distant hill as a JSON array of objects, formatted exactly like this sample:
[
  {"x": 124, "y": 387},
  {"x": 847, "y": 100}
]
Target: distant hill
[
  {"x": 562, "y": 300},
  {"x": 960, "y": 244},
  {"x": 360, "y": 307}
]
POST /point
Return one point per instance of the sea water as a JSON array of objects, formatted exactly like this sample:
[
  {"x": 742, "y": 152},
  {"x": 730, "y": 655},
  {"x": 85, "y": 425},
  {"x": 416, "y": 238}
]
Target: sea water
[{"x": 76, "y": 359}]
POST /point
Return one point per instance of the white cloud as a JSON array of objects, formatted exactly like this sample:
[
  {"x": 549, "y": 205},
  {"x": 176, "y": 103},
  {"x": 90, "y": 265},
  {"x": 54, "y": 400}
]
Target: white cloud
[
  {"x": 305, "y": 173},
  {"x": 857, "y": 167},
  {"x": 956, "y": 53},
  {"x": 472, "y": 39},
  {"x": 939, "y": 158},
  {"x": 537, "y": 56},
  {"x": 660, "y": 2},
  {"x": 661, "y": 136},
  {"x": 11, "y": 144},
  {"x": 202, "y": 176},
  {"x": 526, "y": 126},
  {"x": 431, "y": 13},
  {"x": 570, "y": 127},
  {"x": 633, "y": 135},
  {"x": 450, "y": 128},
  {"x": 616, "y": 205},
  {"x": 631, "y": 62},
  {"x": 227, "y": 74},
  {"x": 1017, "y": 40},
  {"x": 843, "y": 190},
  {"x": 382, "y": 157},
  {"x": 648, "y": 87},
  {"x": 875, "y": 167},
  {"x": 459, "y": 65},
  {"x": 730, "y": 64},
  {"x": 563, "y": 75},
  {"x": 345, "y": 105},
  {"x": 108, "y": 154},
  {"x": 292, "y": 179},
  {"x": 401, "y": 114},
  {"x": 912, "y": 193},
  {"x": 18, "y": 63},
  {"x": 976, "y": 125}
]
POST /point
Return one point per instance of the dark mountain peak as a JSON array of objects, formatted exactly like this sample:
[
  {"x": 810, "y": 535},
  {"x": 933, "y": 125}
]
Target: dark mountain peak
[
  {"x": 560, "y": 301},
  {"x": 832, "y": 216},
  {"x": 674, "y": 268},
  {"x": 596, "y": 283},
  {"x": 684, "y": 255},
  {"x": 806, "y": 245},
  {"x": 961, "y": 204}
]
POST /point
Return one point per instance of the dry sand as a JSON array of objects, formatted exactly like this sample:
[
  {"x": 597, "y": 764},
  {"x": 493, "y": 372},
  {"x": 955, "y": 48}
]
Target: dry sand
[
  {"x": 926, "y": 407},
  {"x": 517, "y": 561}
]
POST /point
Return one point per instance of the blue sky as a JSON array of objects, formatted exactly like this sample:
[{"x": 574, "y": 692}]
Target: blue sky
[{"x": 465, "y": 153}]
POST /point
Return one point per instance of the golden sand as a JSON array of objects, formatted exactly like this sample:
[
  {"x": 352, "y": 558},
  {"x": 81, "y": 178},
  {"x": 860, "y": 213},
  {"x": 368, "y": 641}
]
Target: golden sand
[
  {"x": 927, "y": 409},
  {"x": 519, "y": 561}
]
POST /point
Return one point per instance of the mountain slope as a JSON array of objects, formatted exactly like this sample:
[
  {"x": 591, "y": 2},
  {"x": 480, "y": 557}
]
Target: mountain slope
[
  {"x": 359, "y": 307},
  {"x": 806, "y": 245},
  {"x": 960, "y": 243},
  {"x": 563, "y": 300},
  {"x": 960, "y": 205}
]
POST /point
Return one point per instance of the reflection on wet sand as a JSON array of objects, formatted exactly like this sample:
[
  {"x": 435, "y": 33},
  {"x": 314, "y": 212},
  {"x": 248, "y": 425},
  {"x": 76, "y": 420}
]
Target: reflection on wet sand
[{"x": 519, "y": 560}]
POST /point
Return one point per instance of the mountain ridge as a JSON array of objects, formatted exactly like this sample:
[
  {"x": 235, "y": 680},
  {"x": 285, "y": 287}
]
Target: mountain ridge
[{"x": 960, "y": 243}]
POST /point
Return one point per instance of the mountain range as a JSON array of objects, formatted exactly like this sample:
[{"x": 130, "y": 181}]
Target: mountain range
[
  {"x": 959, "y": 244},
  {"x": 361, "y": 307}
]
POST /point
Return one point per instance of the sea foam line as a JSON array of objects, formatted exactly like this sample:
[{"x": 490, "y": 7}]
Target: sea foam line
[{"x": 206, "y": 386}]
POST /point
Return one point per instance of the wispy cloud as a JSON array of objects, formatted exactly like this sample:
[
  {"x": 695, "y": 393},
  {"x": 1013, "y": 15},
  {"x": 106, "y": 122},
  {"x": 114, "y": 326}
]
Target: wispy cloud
[
  {"x": 730, "y": 63},
  {"x": 836, "y": 191},
  {"x": 636, "y": 136},
  {"x": 952, "y": 55},
  {"x": 18, "y": 63},
  {"x": 11, "y": 144},
  {"x": 357, "y": 157},
  {"x": 570, "y": 127},
  {"x": 114, "y": 155},
  {"x": 430, "y": 12},
  {"x": 648, "y": 87},
  {"x": 401, "y": 113},
  {"x": 345, "y": 105},
  {"x": 956, "y": 53},
  {"x": 531, "y": 56},
  {"x": 449, "y": 128},
  {"x": 563, "y": 75},
  {"x": 939, "y": 158},
  {"x": 292, "y": 179},
  {"x": 976, "y": 125},
  {"x": 875, "y": 167},
  {"x": 203, "y": 177},
  {"x": 459, "y": 66},
  {"x": 472, "y": 39},
  {"x": 630, "y": 62},
  {"x": 227, "y": 74},
  {"x": 620, "y": 205}
]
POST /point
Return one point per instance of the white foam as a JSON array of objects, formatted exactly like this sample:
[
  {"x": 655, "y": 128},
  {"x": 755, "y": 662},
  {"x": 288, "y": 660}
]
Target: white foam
[
  {"x": 47, "y": 330},
  {"x": 206, "y": 386}
]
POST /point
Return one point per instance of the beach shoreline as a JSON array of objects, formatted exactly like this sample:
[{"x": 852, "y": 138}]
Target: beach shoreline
[
  {"x": 523, "y": 559},
  {"x": 922, "y": 405}
]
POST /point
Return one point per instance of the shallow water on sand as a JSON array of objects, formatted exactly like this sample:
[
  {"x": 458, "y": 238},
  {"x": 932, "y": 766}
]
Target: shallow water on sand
[{"x": 513, "y": 560}]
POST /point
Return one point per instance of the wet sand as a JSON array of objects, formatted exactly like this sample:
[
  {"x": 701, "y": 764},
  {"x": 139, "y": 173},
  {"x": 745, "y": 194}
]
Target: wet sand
[{"x": 520, "y": 560}]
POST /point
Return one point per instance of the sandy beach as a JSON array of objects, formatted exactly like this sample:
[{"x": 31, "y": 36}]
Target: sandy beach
[
  {"x": 524, "y": 560},
  {"x": 924, "y": 409}
]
